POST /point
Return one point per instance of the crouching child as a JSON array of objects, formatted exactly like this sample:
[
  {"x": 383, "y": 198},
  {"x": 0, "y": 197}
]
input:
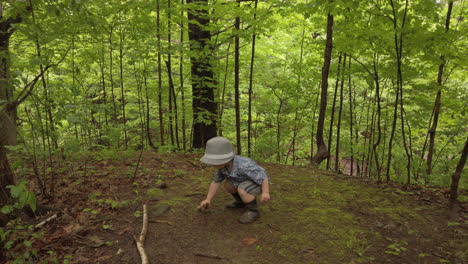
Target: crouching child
[{"x": 243, "y": 178}]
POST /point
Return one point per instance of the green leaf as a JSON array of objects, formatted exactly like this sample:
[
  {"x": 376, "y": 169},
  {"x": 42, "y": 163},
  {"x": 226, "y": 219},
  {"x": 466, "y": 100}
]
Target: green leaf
[
  {"x": 27, "y": 243},
  {"x": 6, "y": 209},
  {"x": 8, "y": 244}
]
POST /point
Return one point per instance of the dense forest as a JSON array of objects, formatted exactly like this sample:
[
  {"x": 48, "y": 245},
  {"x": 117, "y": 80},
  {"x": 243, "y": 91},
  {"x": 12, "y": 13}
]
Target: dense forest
[{"x": 373, "y": 89}]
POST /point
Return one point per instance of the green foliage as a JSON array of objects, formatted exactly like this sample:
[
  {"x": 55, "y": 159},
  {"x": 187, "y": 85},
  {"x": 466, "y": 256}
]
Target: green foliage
[
  {"x": 22, "y": 197},
  {"x": 17, "y": 240},
  {"x": 105, "y": 88}
]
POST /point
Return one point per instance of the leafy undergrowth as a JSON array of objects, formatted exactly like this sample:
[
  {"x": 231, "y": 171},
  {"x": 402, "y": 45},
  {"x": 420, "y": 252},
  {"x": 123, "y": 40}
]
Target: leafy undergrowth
[{"x": 314, "y": 217}]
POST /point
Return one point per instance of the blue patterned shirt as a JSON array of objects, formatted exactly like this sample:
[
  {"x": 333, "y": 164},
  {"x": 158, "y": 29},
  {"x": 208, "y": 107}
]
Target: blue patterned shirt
[{"x": 242, "y": 169}]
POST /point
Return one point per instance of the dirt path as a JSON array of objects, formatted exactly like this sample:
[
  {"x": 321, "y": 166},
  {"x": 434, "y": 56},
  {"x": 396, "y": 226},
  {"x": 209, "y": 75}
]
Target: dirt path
[{"x": 313, "y": 217}]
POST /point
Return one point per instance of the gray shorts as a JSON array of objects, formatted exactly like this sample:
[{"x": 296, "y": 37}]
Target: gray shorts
[{"x": 250, "y": 187}]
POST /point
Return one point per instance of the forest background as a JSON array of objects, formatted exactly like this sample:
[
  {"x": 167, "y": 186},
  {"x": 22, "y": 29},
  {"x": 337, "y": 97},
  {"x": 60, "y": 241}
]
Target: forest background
[{"x": 377, "y": 84}]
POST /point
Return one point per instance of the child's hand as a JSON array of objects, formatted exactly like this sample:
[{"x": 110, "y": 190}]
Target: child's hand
[
  {"x": 204, "y": 205},
  {"x": 265, "y": 197}
]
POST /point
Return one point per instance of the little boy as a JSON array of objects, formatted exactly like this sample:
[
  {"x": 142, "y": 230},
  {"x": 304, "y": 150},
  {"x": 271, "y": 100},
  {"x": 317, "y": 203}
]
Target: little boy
[{"x": 243, "y": 178}]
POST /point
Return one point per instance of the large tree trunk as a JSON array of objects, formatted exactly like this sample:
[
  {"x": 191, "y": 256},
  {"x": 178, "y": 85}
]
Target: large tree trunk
[
  {"x": 204, "y": 106},
  {"x": 322, "y": 152},
  {"x": 7, "y": 108}
]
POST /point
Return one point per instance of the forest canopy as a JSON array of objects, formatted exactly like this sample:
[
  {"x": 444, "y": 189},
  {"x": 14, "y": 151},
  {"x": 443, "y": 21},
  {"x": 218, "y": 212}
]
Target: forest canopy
[{"x": 81, "y": 75}]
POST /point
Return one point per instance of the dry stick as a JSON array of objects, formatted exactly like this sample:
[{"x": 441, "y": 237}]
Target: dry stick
[
  {"x": 41, "y": 224},
  {"x": 140, "y": 242}
]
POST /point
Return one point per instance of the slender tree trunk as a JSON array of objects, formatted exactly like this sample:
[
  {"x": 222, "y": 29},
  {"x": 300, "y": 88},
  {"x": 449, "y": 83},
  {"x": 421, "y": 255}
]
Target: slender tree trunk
[
  {"x": 182, "y": 89},
  {"x": 379, "y": 126},
  {"x": 103, "y": 82},
  {"x": 392, "y": 134},
  {"x": 252, "y": 59},
  {"x": 457, "y": 174},
  {"x": 122, "y": 89},
  {"x": 332, "y": 118},
  {"x": 171, "y": 93},
  {"x": 350, "y": 118},
  {"x": 47, "y": 100},
  {"x": 158, "y": 36},
  {"x": 322, "y": 152},
  {"x": 204, "y": 105},
  {"x": 440, "y": 74},
  {"x": 338, "y": 126},
  {"x": 313, "y": 127},
  {"x": 236, "y": 81},
  {"x": 111, "y": 76},
  {"x": 148, "y": 117},
  {"x": 221, "y": 106}
]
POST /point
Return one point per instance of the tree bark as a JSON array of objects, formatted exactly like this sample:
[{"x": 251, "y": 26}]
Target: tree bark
[
  {"x": 122, "y": 89},
  {"x": 350, "y": 118},
  {"x": 8, "y": 107},
  {"x": 204, "y": 106},
  {"x": 182, "y": 89},
  {"x": 322, "y": 152},
  {"x": 236, "y": 81},
  {"x": 252, "y": 59},
  {"x": 338, "y": 126},
  {"x": 457, "y": 175},
  {"x": 440, "y": 74},
  {"x": 158, "y": 36},
  {"x": 332, "y": 118}
]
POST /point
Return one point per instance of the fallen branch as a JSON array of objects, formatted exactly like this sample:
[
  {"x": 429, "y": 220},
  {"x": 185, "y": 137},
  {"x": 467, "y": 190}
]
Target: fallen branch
[
  {"x": 41, "y": 224},
  {"x": 207, "y": 256},
  {"x": 140, "y": 242}
]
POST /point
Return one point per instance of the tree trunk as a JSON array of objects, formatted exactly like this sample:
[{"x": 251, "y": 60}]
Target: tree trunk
[
  {"x": 111, "y": 76},
  {"x": 148, "y": 129},
  {"x": 8, "y": 108},
  {"x": 182, "y": 89},
  {"x": 379, "y": 126},
  {"x": 158, "y": 36},
  {"x": 122, "y": 89},
  {"x": 252, "y": 59},
  {"x": 332, "y": 118},
  {"x": 322, "y": 152},
  {"x": 440, "y": 74},
  {"x": 456, "y": 176},
  {"x": 204, "y": 105},
  {"x": 223, "y": 94},
  {"x": 338, "y": 126},
  {"x": 350, "y": 118},
  {"x": 236, "y": 81}
]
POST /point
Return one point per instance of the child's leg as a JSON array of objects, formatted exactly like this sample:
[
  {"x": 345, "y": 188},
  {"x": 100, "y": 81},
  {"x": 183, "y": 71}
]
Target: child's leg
[
  {"x": 247, "y": 191},
  {"x": 229, "y": 187},
  {"x": 246, "y": 197},
  {"x": 238, "y": 203}
]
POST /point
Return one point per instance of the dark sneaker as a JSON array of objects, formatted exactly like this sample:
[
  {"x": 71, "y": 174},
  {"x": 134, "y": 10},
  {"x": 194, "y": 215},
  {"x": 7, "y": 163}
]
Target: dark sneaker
[
  {"x": 248, "y": 217},
  {"x": 235, "y": 204}
]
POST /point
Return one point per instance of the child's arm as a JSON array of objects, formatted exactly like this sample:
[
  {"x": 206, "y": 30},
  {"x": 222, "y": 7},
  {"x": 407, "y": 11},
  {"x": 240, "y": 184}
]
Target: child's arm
[
  {"x": 265, "y": 190},
  {"x": 211, "y": 193}
]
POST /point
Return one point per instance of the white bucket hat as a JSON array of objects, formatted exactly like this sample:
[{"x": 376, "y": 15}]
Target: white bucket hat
[{"x": 218, "y": 151}]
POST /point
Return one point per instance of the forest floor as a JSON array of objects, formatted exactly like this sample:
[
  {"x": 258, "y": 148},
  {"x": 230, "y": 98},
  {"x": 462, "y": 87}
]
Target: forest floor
[{"x": 314, "y": 217}]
